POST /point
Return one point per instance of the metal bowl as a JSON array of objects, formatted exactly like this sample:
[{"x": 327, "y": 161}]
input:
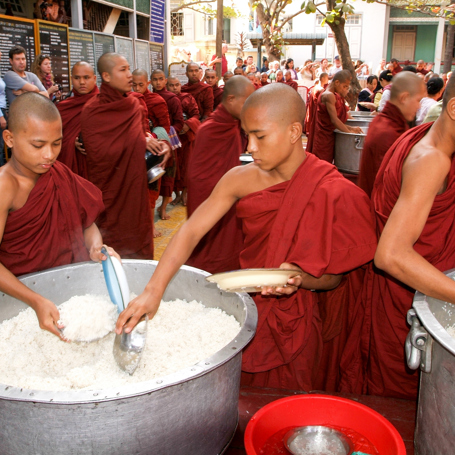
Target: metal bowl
[
  {"x": 316, "y": 440},
  {"x": 155, "y": 173},
  {"x": 193, "y": 411}
]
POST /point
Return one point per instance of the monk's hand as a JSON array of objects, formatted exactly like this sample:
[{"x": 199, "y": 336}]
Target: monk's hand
[
  {"x": 184, "y": 130},
  {"x": 79, "y": 146},
  {"x": 153, "y": 145},
  {"x": 166, "y": 152},
  {"x": 97, "y": 256},
  {"x": 2, "y": 123},
  {"x": 49, "y": 318},
  {"x": 292, "y": 284},
  {"x": 146, "y": 303},
  {"x": 18, "y": 92}
]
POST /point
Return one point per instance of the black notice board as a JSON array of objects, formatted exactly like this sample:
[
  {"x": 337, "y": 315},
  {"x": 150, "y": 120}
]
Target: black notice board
[
  {"x": 53, "y": 41},
  {"x": 124, "y": 47},
  {"x": 19, "y": 32},
  {"x": 142, "y": 52},
  {"x": 103, "y": 44},
  {"x": 82, "y": 47},
  {"x": 156, "y": 57}
]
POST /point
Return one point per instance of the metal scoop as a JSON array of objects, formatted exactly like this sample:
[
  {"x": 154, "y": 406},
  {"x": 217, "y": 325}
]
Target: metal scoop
[{"x": 128, "y": 347}]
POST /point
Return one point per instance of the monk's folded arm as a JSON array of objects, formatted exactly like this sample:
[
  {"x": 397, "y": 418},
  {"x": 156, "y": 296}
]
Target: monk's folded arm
[{"x": 422, "y": 179}]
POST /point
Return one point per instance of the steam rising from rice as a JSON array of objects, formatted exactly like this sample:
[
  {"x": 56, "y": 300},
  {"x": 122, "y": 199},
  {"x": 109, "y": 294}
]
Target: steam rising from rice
[{"x": 180, "y": 335}]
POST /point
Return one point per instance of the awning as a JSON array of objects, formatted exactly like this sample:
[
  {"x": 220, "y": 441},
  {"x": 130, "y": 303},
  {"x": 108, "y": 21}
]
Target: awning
[{"x": 293, "y": 39}]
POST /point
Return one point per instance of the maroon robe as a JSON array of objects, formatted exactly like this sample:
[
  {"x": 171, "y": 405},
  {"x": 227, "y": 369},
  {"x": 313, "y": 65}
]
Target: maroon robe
[
  {"x": 374, "y": 360},
  {"x": 70, "y": 111},
  {"x": 384, "y": 130},
  {"x": 114, "y": 139},
  {"x": 48, "y": 230},
  {"x": 176, "y": 117},
  {"x": 203, "y": 95},
  {"x": 310, "y": 116},
  {"x": 217, "y": 148},
  {"x": 292, "y": 84},
  {"x": 322, "y": 142},
  {"x": 191, "y": 114},
  {"x": 217, "y": 95},
  {"x": 157, "y": 110},
  {"x": 321, "y": 222}
]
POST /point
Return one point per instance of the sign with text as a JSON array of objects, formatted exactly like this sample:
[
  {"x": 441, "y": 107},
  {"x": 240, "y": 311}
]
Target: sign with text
[
  {"x": 157, "y": 20},
  {"x": 142, "y": 54},
  {"x": 82, "y": 47},
  {"x": 103, "y": 44},
  {"x": 124, "y": 47},
  {"x": 156, "y": 57},
  {"x": 178, "y": 70}
]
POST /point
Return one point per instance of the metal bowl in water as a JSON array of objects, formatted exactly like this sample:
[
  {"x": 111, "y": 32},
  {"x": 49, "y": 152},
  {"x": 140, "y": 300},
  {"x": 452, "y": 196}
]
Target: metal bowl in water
[
  {"x": 193, "y": 411},
  {"x": 316, "y": 440}
]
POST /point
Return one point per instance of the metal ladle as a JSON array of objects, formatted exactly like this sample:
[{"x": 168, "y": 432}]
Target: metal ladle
[{"x": 128, "y": 347}]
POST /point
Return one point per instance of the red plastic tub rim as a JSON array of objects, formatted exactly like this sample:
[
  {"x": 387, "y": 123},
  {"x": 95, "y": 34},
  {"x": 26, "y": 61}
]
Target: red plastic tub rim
[{"x": 317, "y": 409}]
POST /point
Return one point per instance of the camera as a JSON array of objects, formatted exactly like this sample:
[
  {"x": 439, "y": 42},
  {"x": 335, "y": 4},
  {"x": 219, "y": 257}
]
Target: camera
[{"x": 60, "y": 88}]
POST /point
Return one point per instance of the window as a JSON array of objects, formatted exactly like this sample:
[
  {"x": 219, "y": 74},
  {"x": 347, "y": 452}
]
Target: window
[
  {"x": 404, "y": 28},
  {"x": 226, "y": 35},
  {"x": 209, "y": 25},
  {"x": 177, "y": 24},
  {"x": 287, "y": 27},
  {"x": 16, "y": 6}
]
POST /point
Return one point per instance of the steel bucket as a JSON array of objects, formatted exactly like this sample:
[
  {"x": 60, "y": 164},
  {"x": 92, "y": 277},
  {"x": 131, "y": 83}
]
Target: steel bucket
[
  {"x": 348, "y": 150},
  {"x": 430, "y": 348},
  {"x": 361, "y": 114},
  {"x": 359, "y": 121},
  {"x": 193, "y": 411}
]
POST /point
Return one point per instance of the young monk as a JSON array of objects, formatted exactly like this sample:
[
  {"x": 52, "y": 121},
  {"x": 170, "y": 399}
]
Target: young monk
[
  {"x": 415, "y": 213},
  {"x": 83, "y": 78},
  {"x": 211, "y": 79},
  {"x": 297, "y": 212},
  {"x": 227, "y": 75},
  {"x": 187, "y": 137},
  {"x": 201, "y": 92},
  {"x": 289, "y": 81},
  {"x": 239, "y": 72},
  {"x": 332, "y": 113},
  {"x": 252, "y": 78},
  {"x": 389, "y": 125},
  {"x": 264, "y": 79},
  {"x": 115, "y": 141},
  {"x": 217, "y": 149},
  {"x": 174, "y": 105},
  {"x": 312, "y": 103},
  {"x": 47, "y": 213}
]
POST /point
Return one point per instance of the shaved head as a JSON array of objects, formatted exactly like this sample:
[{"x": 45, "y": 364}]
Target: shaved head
[
  {"x": 449, "y": 92},
  {"x": 83, "y": 65},
  {"x": 172, "y": 80},
  {"x": 107, "y": 62},
  {"x": 405, "y": 81},
  {"x": 190, "y": 65},
  {"x": 156, "y": 72},
  {"x": 140, "y": 72},
  {"x": 31, "y": 105},
  {"x": 342, "y": 76},
  {"x": 279, "y": 102},
  {"x": 236, "y": 86}
]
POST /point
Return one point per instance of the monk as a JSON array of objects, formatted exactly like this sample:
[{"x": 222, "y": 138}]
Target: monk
[
  {"x": 279, "y": 76},
  {"x": 187, "y": 137},
  {"x": 413, "y": 201},
  {"x": 158, "y": 116},
  {"x": 174, "y": 106},
  {"x": 201, "y": 92},
  {"x": 211, "y": 79},
  {"x": 157, "y": 110},
  {"x": 332, "y": 113},
  {"x": 264, "y": 79},
  {"x": 406, "y": 93},
  {"x": 290, "y": 204},
  {"x": 217, "y": 149},
  {"x": 83, "y": 78},
  {"x": 47, "y": 213},
  {"x": 115, "y": 141},
  {"x": 289, "y": 81},
  {"x": 312, "y": 103},
  {"x": 227, "y": 75},
  {"x": 239, "y": 72}
]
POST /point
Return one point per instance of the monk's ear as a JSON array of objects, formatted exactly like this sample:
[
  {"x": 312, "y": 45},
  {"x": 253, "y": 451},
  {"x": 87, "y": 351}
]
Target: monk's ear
[
  {"x": 296, "y": 132},
  {"x": 8, "y": 138},
  {"x": 450, "y": 109},
  {"x": 105, "y": 76}
]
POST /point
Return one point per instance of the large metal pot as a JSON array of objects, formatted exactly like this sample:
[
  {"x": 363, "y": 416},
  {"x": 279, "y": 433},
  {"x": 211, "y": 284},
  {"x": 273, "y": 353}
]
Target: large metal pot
[
  {"x": 430, "y": 348},
  {"x": 361, "y": 114},
  {"x": 359, "y": 121},
  {"x": 348, "y": 150},
  {"x": 193, "y": 411}
]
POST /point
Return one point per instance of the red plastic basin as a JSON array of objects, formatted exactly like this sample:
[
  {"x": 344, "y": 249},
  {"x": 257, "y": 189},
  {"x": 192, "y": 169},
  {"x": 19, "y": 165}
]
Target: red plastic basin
[{"x": 304, "y": 410}]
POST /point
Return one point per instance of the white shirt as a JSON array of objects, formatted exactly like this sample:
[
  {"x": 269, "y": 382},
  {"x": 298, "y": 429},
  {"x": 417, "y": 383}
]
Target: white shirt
[{"x": 425, "y": 104}]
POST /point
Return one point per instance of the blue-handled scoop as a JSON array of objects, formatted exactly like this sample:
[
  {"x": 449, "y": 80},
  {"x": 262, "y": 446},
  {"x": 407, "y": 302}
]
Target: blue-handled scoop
[{"x": 128, "y": 347}]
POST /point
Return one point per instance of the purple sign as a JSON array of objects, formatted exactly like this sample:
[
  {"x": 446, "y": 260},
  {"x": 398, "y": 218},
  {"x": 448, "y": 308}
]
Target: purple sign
[{"x": 157, "y": 17}]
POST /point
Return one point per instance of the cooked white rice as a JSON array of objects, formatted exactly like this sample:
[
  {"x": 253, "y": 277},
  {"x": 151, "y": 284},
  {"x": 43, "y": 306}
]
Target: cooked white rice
[{"x": 180, "y": 335}]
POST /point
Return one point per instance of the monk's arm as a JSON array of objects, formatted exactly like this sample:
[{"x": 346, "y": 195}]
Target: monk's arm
[
  {"x": 422, "y": 179},
  {"x": 180, "y": 248},
  {"x": 46, "y": 311},
  {"x": 329, "y": 100},
  {"x": 94, "y": 242}
]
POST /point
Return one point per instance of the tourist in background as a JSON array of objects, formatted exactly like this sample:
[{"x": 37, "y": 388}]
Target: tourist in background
[
  {"x": 367, "y": 94},
  {"x": 323, "y": 67},
  {"x": 43, "y": 69},
  {"x": 290, "y": 67},
  {"x": 265, "y": 65},
  {"x": 307, "y": 71},
  {"x": 435, "y": 88}
]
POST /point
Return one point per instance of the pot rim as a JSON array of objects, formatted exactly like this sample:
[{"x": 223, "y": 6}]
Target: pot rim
[
  {"x": 201, "y": 368},
  {"x": 428, "y": 319}
]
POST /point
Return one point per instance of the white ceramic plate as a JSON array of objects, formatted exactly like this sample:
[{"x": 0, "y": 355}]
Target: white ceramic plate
[{"x": 251, "y": 280}]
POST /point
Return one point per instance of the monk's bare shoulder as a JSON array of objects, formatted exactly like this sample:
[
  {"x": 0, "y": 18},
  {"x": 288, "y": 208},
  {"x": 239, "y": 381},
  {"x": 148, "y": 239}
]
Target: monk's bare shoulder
[
  {"x": 327, "y": 97},
  {"x": 9, "y": 186},
  {"x": 243, "y": 180}
]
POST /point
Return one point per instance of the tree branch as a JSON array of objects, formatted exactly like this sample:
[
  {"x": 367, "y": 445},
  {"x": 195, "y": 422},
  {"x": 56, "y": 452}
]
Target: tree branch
[
  {"x": 188, "y": 5},
  {"x": 289, "y": 18}
]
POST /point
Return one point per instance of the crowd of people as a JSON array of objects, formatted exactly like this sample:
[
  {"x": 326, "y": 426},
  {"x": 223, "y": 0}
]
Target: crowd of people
[{"x": 77, "y": 179}]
